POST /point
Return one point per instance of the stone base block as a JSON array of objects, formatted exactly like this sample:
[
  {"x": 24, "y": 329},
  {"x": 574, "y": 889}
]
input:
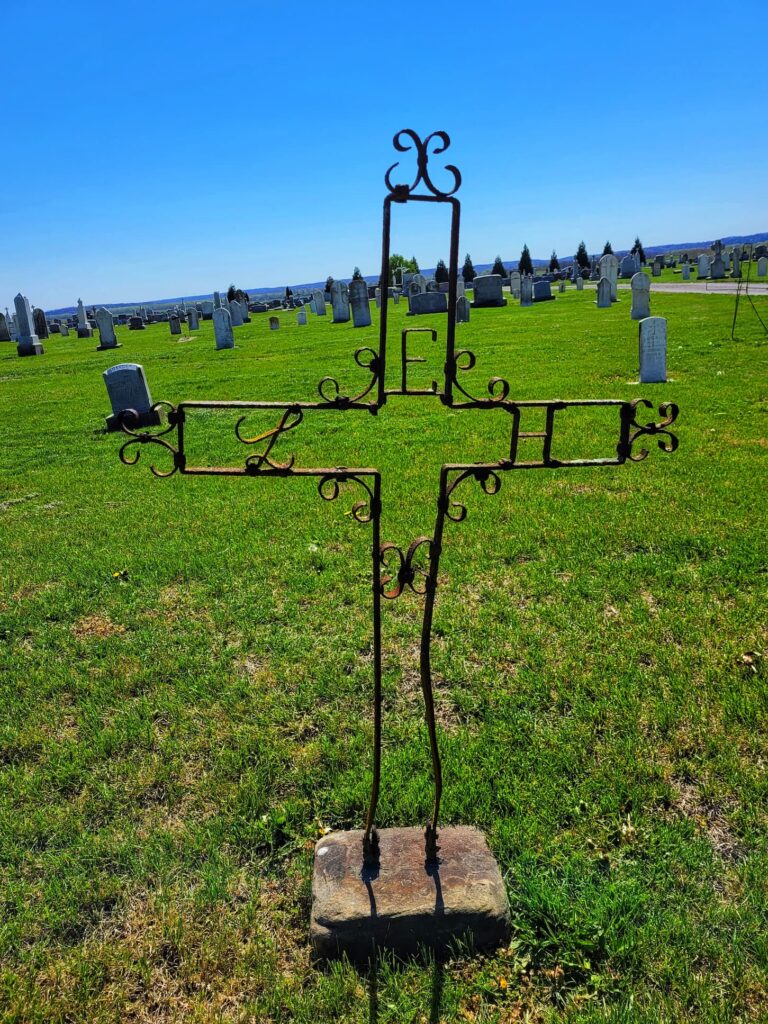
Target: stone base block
[
  {"x": 488, "y": 305},
  {"x": 106, "y": 348},
  {"x": 30, "y": 348},
  {"x": 85, "y": 332},
  {"x": 150, "y": 418},
  {"x": 406, "y": 903}
]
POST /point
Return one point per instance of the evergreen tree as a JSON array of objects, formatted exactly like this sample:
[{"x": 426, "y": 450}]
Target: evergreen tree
[
  {"x": 554, "y": 262},
  {"x": 468, "y": 270},
  {"x": 329, "y": 283},
  {"x": 498, "y": 267},
  {"x": 441, "y": 272},
  {"x": 525, "y": 264},
  {"x": 638, "y": 248},
  {"x": 413, "y": 265},
  {"x": 356, "y": 275},
  {"x": 231, "y": 293},
  {"x": 607, "y": 249},
  {"x": 582, "y": 257}
]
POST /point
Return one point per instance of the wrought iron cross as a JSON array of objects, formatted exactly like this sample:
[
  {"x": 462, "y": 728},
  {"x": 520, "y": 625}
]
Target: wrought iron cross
[{"x": 393, "y": 570}]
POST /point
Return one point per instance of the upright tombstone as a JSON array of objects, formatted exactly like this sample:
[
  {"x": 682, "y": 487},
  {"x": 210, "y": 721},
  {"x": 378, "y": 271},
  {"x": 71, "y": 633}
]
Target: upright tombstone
[
  {"x": 427, "y": 302},
  {"x": 762, "y": 266},
  {"x": 134, "y": 324},
  {"x": 542, "y": 291},
  {"x": 460, "y": 289},
  {"x": 28, "y": 342},
  {"x": 579, "y": 283},
  {"x": 377, "y": 296},
  {"x": 736, "y": 268},
  {"x": 5, "y": 334},
  {"x": 686, "y": 272},
  {"x": 514, "y": 284},
  {"x": 106, "y": 325},
  {"x": 84, "y": 329},
  {"x": 319, "y": 300},
  {"x": 653, "y": 350},
  {"x": 222, "y": 328},
  {"x": 561, "y": 287},
  {"x": 236, "y": 313},
  {"x": 64, "y": 330},
  {"x": 609, "y": 268},
  {"x": 603, "y": 293},
  {"x": 128, "y": 389},
  {"x": 703, "y": 266},
  {"x": 207, "y": 307},
  {"x": 216, "y": 300},
  {"x": 358, "y": 300},
  {"x": 462, "y": 310},
  {"x": 641, "y": 296},
  {"x": 40, "y": 323},
  {"x": 717, "y": 266},
  {"x": 656, "y": 268},
  {"x": 488, "y": 291},
  {"x": 628, "y": 267},
  {"x": 526, "y": 291},
  {"x": 193, "y": 319},
  {"x": 339, "y": 303},
  {"x": 594, "y": 272},
  {"x": 175, "y": 324},
  {"x": 274, "y": 323},
  {"x": 420, "y": 281},
  {"x": 301, "y": 317},
  {"x": 396, "y": 297}
]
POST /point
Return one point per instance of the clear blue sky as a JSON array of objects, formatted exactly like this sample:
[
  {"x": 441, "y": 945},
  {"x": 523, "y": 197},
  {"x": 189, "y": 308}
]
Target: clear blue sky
[{"x": 171, "y": 148}]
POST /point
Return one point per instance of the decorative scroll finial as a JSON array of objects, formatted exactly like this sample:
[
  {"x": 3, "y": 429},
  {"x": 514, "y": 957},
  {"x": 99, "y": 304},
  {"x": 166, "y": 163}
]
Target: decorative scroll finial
[{"x": 402, "y": 191}]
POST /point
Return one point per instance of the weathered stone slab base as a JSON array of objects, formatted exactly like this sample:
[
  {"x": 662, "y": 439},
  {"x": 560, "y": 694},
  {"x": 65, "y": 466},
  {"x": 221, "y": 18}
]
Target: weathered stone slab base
[
  {"x": 106, "y": 348},
  {"x": 405, "y": 903}
]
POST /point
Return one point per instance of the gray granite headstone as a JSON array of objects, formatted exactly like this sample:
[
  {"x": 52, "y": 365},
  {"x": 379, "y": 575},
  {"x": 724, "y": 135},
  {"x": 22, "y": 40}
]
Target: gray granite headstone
[
  {"x": 542, "y": 291},
  {"x": 628, "y": 267},
  {"x": 106, "y": 325},
  {"x": 358, "y": 300},
  {"x": 653, "y": 350},
  {"x": 717, "y": 269},
  {"x": 762, "y": 266},
  {"x": 641, "y": 296},
  {"x": 462, "y": 310},
  {"x": 135, "y": 324},
  {"x": 686, "y": 272},
  {"x": 339, "y": 302},
  {"x": 216, "y": 300},
  {"x": 64, "y": 330},
  {"x": 301, "y": 318},
  {"x": 487, "y": 291},
  {"x": 579, "y": 283},
  {"x": 377, "y": 296},
  {"x": 427, "y": 302},
  {"x": 656, "y": 268},
  {"x": 5, "y": 334},
  {"x": 274, "y": 323},
  {"x": 319, "y": 300},
  {"x": 84, "y": 329},
  {"x": 207, "y": 307},
  {"x": 514, "y": 284},
  {"x": 396, "y": 297},
  {"x": 460, "y": 287},
  {"x": 603, "y": 293},
  {"x": 175, "y": 324},
  {"x": 222, "y": 328},
  {"x": 128, "y": 389},
  {"x": 526, "y": 291},
  {"x": 736, "y": 268},
  {"x": 193, "y": 319},
  {"x": 40, "y": 324},
  {"x": 703, "y": 265},
  {"x": 28, "y": 342},
  {"x": 236, "y": 313}
]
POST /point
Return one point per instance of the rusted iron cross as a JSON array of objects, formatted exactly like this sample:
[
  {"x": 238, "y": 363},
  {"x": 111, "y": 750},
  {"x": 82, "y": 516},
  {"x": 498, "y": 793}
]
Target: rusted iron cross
[{"x": 393, "y": 569}]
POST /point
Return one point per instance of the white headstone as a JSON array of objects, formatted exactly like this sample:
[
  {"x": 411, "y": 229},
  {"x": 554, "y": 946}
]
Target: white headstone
[
  {"x": 762, "y": 266},
  {"x": 318, "y": 298},
  {"x": 703, "y": 265},
  {"x": 579, "y": 283},
  {"x": 64, "y": 330},
  {"x": 609, "y": 268},
  {"x": 128, "y": 389},
  {"x": 106, "y": 325},
  {"x": 82, "y": 319},
  {"x": 340, "y": 302},
  {"x": 641, "y": 296},
  {"x": 653, "y": 350},
  {"x": 377, "y": 294},
  {"x": 222, "y": 328},
  {"x": 603, "y": 293},
  {"x": 460, "y": 289},
  {"x": 358, "y": 300},
  {"x": 28, "y": 342}
]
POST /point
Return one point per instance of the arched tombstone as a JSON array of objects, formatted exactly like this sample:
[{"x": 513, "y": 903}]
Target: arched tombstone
[
  {"x": 603, "y": 293},
  {"x": 318, "y": 298},
  {"x": 703, "y": 266},
  {"x": 222, "y": 328},
  {"x": 358, "y": 300},
  {"x": 274, "y": 323},
  {"x": 641, "y": 296},
  {"x": 40, "y": 322},
  {"x": 301, "y": 317},
  {"x": 514, "y": 284},
  {"x": 762, "y": 266},
  {"x": 609, "y": 268},
  {"x": 128, "y": 389},
  {"x": 653, "y": 350},
  {"x": 106, "y": 325},
  {"x": 236, "y": 313},
  {"x": 339, "y": 303}
]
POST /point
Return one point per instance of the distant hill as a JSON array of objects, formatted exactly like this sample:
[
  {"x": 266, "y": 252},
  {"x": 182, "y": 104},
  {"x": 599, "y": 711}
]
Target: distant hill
[{"x": 277, "y": 291}]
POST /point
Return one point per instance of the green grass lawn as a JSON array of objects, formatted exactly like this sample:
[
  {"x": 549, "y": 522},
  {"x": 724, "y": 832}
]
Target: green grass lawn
[{"x": 186, "y": 680}]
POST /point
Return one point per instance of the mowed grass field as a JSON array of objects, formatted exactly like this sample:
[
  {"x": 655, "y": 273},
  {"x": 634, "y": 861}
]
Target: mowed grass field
[{"x": 186, "y": 679}]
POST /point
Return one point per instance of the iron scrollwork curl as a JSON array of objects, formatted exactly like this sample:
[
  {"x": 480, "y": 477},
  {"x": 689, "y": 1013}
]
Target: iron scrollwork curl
[
  {"x": 330, "y": 390},
  {"x": 668, "y": 411},
  {"x": 408, "y": 572},
  {"x": 139, "y": 438},
  {"x": 290, "y": 419},
  {"x": 489, "y": 480},
  {"x": 422, "y": 159},
  {"x": 464, "y": 360},
  {"x": 328, "y": 488}
]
